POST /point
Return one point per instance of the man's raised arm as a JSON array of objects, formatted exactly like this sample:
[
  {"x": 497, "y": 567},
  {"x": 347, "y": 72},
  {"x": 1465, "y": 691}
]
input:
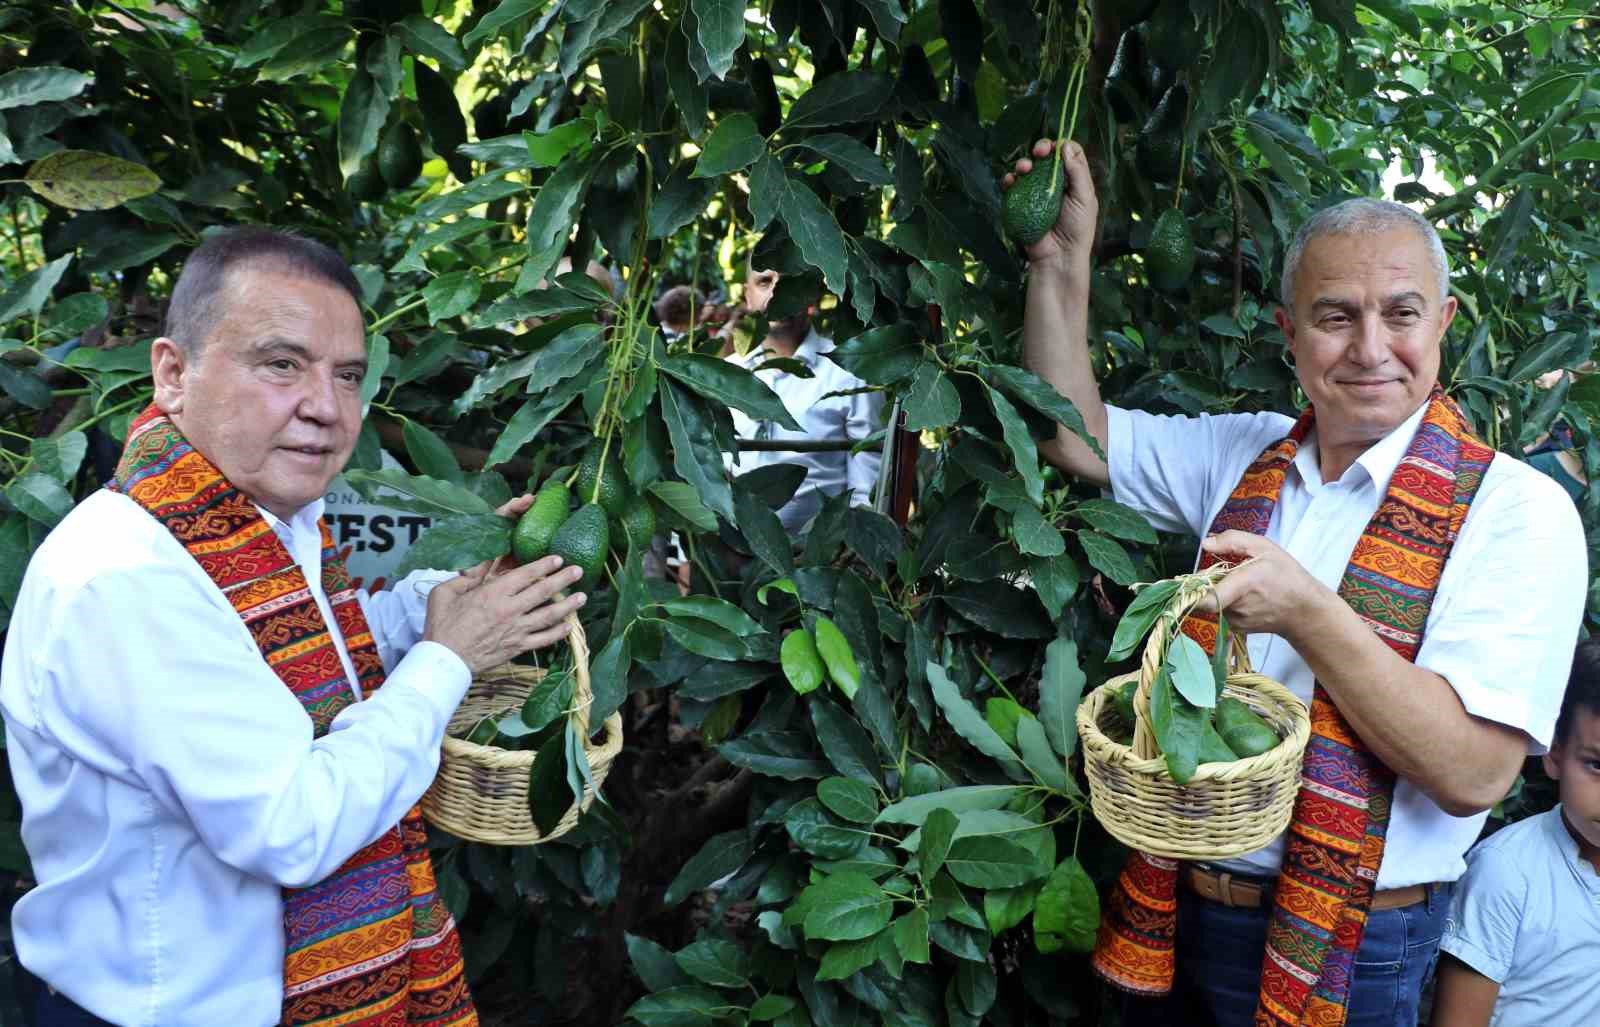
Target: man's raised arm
[{"x": 1056, "y": 323}]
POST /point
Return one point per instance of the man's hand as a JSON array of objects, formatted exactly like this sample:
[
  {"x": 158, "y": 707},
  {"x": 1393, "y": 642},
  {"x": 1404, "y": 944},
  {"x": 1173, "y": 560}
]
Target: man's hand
[
  {"x": 486, "y": 616},
  {"x": 1070, "y": 240},
  {"x": 1271, "y": 594}
]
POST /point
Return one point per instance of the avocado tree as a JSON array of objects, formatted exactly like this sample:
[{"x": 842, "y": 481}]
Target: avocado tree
[{"x": 849, "y": 792}]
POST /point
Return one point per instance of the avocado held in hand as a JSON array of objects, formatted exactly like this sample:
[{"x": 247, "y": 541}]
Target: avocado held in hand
[
  {"x": 1245, "y": 732},
  {"x": 1033, "y": 203},
  {"x": 531, "y": 538},
  {"x": 583, "y": 541}
]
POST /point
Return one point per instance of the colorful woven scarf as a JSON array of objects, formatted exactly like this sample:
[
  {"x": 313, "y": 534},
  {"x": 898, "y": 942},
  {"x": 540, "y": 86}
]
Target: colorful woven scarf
[
  {"x": 372, "y": 945},
  {"x": 1341, "y": 814}
]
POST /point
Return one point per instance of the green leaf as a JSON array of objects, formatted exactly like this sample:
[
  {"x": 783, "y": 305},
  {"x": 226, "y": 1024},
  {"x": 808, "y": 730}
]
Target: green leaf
[
  {"x": 718, "y": 611},
  {"x": 769, "y": 1007},
  {"x": 847, "y": 957},
  {"x": 849, "y": 799},
  {"x": 362, "y": 114},
  {"x": 812, "y": 227},
  {"x": 451, "y": 294},
  {"x": 727, "y": 383},
  {"x": 1055, "y": 582},
  {"x": 733, "y": 145},
  {"x": 1040, "y": 757},
  {"x": 704, "y": 638},
  {"x": 844, "y": 741},
  {"x": 549, "y": 149},
  {"x": 915, "y": 810},
  {"x": 59, "y": 458},
  {"x": 762, "y": 530},
  {"x": 910, "y": 933},
  {"x": 1190, "y": 670},
  {"x": 1005, "y": 908},
  {"x": 427, "y": 38},
  {"x": 76, "y": 314},
  {"x": 836, "y": 654},
  {"x": 550, "y": 698},
  {"x": 1060, "y": 690},
  {"x": 776, "y": 754},
  {"x": 802, "y": 664},
  {"x": 845, "y": 97},
  {"x": 694, "y": 455},
  {"x": 45, "y": 83},
  {"x": 555, "y": 205},
  {"x": 1002, "y": 713},
  {"x": 684, "y": 501},
  {"x": 689, "y": 93},
  {"x": 26, "y": 295},
  {"x": 1026, "y": 387},
  {"x": 846, "y": 906},
  {"x": 457, "y": 543},
  {"x": 1034, "y": 535},
  {"x": 82, "y": 180},
  {"x": 431, "y": 454},
  {"x": 850, "y": 156},
  {"x": 681, "y": 199},
  {"x": 1586, "y": 149},
  {"x": 1024, "y": 454},
  {"x": 1513, "y": 224},
  {"x": 812, "y": 829},
  {"x": 721, "y": 855},
  {"x": 719, "y": 963},
  {"x": 1139, "y": 617},
  {"x": 39, "y": 497},
  {"x": 880, "y": 356},
  {"x": 1107, "y": 557},
  {"x": 1283, "y": 164},
  {"x": 1067, "y": 912},
  {"x": 549, "y": 794},
  {"x": 931, "y": 401},
  {"x": 991, "y": 861},
  {"x": 685, "y": 1006},
  {"x": 1116, "y": 520},
  {"x": 492, "y": 23},
  {"x": 126, "y": 248},
  {"x": 938, "y": 833},
  {"x": 1001, "y": 608},
  {"x": 655, "y": 965},
  {"x": 532, "y": 417},
  {"x": 278, "y": 35},
  {"x": 1178, "y": 727},
  {"x": 720, "y": 31},
  {"x": 1558, "y": 349},
  {"x": 969, "y": 723}
]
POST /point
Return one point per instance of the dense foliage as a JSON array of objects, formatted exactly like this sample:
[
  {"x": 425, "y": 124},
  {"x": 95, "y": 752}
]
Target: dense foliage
[{"x": 864, "y": 735}]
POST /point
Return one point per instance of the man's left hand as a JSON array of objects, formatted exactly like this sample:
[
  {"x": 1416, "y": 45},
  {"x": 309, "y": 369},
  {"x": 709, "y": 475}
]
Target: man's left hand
[{"x": 1273, "y": 594}]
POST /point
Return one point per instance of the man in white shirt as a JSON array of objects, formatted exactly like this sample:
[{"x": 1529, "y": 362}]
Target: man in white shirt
[
  {"x": 1365, "y": 306},
  {"x": 815, "y": 403},
  {"x": 173, "y": 792}
]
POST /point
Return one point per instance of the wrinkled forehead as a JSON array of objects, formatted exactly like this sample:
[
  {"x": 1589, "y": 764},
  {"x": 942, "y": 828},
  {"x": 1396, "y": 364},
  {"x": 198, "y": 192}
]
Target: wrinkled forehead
[{"x": 1396, "y": 259}]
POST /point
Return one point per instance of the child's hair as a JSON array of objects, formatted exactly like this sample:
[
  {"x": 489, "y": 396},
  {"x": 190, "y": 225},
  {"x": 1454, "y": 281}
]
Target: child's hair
[
  {"x": 675, "y": 306},
  {"x": 1583, "y": 687}
]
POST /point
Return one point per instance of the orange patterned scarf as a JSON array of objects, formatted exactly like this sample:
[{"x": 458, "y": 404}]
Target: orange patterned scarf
[
  {"x": 1341, "y": 815},
  {"x": 372, "y": 945}
]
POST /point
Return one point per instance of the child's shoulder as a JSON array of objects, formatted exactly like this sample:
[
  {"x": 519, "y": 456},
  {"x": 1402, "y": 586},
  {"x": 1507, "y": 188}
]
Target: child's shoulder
[{"x": 1517, "y": 849}]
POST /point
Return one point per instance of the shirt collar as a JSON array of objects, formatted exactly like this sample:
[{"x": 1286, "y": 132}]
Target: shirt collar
[
  {"x": 1568, "y": 845},
  {"x": 303, "y": 522},
  {"x": 1379, "y": 462},
  {"x": 808, "y": 352}
]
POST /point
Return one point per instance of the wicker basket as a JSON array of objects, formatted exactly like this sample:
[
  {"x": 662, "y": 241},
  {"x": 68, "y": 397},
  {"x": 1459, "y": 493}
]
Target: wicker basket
[
  {"x": 481, "y": 791},
  {"x": 1226, "y": 809}
]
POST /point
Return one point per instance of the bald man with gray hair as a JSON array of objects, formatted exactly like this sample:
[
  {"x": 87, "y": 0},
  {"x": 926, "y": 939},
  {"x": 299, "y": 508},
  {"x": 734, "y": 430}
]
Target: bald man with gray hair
[{"x": 1419, "y": 590}]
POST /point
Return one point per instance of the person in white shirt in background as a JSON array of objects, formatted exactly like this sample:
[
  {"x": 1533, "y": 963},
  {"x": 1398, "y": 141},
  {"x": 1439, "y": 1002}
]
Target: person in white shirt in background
[
  {"x": 170, "y": 784},
  {"x": 815, "y": 403}
]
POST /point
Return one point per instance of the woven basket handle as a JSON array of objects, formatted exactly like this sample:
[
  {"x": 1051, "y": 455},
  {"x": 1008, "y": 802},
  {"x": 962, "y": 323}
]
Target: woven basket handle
[{"x": 1191, "y": 590}]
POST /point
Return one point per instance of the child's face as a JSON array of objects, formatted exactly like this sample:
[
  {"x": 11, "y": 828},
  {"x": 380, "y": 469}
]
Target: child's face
[{"x": 1575, "y": 762}]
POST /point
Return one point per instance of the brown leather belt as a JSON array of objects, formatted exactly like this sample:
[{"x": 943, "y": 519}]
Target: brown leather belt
[{"x": 1247, "y": 893}]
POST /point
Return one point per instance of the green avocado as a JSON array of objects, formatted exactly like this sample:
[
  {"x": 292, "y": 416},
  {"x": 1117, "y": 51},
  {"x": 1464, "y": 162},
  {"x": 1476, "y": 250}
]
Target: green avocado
[
  {"x": 1124, "y": 95},
  {"x": 399, "y": 155},
  {"x": 1244, "y": 731},
  {"x": 607, "y": 486},
  {"x": 1122, "y": 701},
  {"x": 538, "y": 525},
  {"x": 1033, "y": 204},
  {"x": 1169, "y": 256},
  {"x": 638, "y": 524},
  {"x": 583, "y": 541},
  {"x": 1159, "y": 152},
  {"x": 1172, "y": 36},
  {"x": 1213, "y": 749},
  {"x": 366, "y": 184}
]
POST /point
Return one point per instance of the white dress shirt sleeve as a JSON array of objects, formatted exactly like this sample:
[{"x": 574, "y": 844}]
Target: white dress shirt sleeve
[
  {"x": 177, "y": 699},
  {"x": 864, "y": 418},
  {"x": 397, "y": 615}
]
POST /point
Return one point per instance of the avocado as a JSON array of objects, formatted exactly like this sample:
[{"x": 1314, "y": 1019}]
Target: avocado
[
  {"x": 583, "y": 541},
  {"x": 1245, "y": 732},
  {"x": 1172, "y": 36},
  {"x": 399, "y": 155},
  {"x": 638, "y": 524},
  {"x": 1169, "y": 256},
  {"x": 608, "y": 486},
  {"x": 366, "y": 184},
  {"x": 1160, "y": 148},
  {"x": 1213, "y": 749},
  {"x": 1122, "y": 701},
  {"x": 539, "y": 523},
  {"x": 1123, "y": 86},
  {"x": 1033, "y": 204}
]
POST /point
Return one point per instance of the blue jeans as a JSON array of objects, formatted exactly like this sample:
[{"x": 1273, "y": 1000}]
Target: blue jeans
[{"x": 1220, "y": 949}]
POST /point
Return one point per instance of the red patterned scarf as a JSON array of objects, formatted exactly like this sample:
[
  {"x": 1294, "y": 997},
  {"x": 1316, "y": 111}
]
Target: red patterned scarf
[
  {"x": 1341, "y": 815},
  {"x": 372, "y": 945}
]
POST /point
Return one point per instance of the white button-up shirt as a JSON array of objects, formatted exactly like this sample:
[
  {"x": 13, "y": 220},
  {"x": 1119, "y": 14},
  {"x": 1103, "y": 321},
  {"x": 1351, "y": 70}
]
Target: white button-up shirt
[
  {"x": 820, "y": 416},
  {"x": 1504, "y": 619},
  {"x": 170, "y": 785}
]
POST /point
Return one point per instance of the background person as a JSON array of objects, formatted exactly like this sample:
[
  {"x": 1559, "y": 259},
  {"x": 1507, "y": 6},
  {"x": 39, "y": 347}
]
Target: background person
[
  {"x": 217, "y": 796},
  {"x": 1418, "y": 590},
  {"x": 1524, "y": 929}
]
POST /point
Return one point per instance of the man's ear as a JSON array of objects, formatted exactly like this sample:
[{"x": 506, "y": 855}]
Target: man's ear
[
  {"x": 168, "y": 362},
  {"x": 1286, "y": 325},
  {"x": 1447, "y": 313}
]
